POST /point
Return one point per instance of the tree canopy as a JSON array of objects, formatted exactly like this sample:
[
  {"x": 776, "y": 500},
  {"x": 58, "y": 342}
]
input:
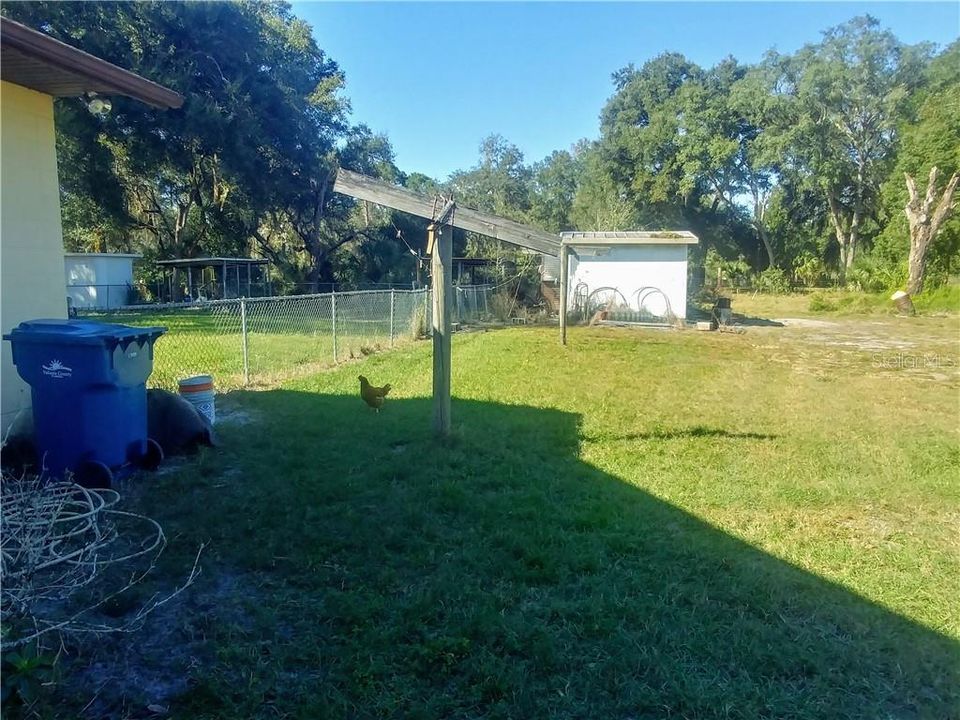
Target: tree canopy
[{"x": 794, "y": 164}]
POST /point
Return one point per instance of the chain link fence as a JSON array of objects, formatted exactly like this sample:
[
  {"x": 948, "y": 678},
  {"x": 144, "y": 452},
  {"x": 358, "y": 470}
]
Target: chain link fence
[{"x": 261, "y": 341}]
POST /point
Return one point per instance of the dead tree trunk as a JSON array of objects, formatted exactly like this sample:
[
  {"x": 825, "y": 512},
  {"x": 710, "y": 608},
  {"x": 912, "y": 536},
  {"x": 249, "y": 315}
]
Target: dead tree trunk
[{"x": 925, "y": 216}]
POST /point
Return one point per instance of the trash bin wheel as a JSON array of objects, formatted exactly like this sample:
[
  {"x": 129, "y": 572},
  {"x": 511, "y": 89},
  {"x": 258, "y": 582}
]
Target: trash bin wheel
[
  {"x": 94, "y": 474},
  {"x": 153, "y": 456}
]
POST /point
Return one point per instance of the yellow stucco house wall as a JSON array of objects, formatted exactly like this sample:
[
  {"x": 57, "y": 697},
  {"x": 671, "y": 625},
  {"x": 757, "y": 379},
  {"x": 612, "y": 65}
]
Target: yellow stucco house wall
[
  {"x": 31, "y": 242},
  {"x": 34, "y": 68}
]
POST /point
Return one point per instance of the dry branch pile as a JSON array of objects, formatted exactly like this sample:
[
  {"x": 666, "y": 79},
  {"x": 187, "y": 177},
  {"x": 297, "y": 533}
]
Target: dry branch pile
[{"x": 65, "y": 551}]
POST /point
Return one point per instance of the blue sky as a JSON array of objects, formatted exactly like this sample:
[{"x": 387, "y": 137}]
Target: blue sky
[{"x": 439, "y": 77}]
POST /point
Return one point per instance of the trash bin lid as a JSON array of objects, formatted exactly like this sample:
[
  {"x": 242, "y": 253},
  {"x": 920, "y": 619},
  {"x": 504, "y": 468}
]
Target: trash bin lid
[{"x": 80, "y": 332}]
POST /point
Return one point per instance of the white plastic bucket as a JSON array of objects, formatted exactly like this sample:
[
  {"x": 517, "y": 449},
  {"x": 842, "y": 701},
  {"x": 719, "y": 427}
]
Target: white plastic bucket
[{"x": 198, "y": 391}]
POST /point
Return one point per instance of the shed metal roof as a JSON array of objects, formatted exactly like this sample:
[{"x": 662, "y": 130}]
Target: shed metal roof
[
  {"x": 213, "y": 261},
  {"x": 102, "y": 255},
  {"x": 631, "y": 237},
  {"x": 40, "y": 62}
]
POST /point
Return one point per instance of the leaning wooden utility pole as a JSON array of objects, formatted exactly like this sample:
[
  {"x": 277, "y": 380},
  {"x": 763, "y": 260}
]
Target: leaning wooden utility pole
[
  {"x": 564, "y": 263},
  {"x": 443, "y": 218},
  {"x": 440, "y": 242}
]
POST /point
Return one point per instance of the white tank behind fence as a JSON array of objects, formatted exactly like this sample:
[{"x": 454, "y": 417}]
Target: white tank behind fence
[{"x": 198, "y": 391}]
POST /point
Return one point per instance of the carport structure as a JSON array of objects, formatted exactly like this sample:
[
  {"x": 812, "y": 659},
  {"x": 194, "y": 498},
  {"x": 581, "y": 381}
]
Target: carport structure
[
  {"x": 444, "y": 214},
  {"x": 215, "y": 277}
]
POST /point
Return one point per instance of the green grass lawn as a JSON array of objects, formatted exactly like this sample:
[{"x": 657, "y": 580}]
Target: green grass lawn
[{"x": 643, "y": 524}]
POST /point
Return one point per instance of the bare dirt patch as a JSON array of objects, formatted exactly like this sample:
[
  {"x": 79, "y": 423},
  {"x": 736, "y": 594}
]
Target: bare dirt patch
[
  {"x": 136, "y": 674},
  {"x": 927, "y": 347},
  {"x": 232, "y": 412},
  {"x": 804, "y": 322}
]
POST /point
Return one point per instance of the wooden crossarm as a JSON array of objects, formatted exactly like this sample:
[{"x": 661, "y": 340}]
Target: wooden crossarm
[{"x": 366, "y": 188}]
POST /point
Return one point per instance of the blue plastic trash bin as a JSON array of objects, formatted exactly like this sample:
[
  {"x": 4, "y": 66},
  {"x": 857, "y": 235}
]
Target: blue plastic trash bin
[{"x": 88, "y": 384}]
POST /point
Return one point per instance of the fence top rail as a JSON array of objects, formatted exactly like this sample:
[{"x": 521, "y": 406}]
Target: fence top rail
[{"x": 199, "y": 305}]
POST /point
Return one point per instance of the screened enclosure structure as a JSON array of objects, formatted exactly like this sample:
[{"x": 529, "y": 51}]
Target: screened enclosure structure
[{"x": 215, "y": 278}]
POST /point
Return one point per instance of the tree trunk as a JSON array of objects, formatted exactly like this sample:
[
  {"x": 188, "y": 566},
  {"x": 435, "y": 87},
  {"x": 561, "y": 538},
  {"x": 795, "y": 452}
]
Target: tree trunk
[
  {"x": 925, "y": 221},
  {"x": 917, "y": 260},
  {"x": 183, "y": 213},
  {"x": 765, "y": 239},
  {"x": 313, "y": 277},
  {"x": 836, "y": 219},
  {"x": 760, "y": 201},
  {"x": 853, "y": 239},
  {"x": 854, "y": 236}
]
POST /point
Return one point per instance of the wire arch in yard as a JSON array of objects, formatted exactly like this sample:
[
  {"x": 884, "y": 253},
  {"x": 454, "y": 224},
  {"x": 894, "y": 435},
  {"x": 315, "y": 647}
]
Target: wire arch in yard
[
  {"x": 592, "y": 298},
  {"x": 580, "y": 295},
  {"x": 649, "y": 291}
]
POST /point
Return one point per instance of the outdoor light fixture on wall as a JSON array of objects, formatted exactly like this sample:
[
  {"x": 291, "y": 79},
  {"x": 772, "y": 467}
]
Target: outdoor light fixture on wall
[{"x": 97, "y": 105}]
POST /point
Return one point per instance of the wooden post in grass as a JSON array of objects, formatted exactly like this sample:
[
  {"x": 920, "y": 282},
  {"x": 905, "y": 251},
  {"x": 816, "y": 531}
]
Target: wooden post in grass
[
  {"x": 440, "y": 242},
  {"x": 564, "y": 262}
]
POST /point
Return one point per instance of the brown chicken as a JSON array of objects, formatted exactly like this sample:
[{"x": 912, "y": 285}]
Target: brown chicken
[{"x": 373, "y": 396}]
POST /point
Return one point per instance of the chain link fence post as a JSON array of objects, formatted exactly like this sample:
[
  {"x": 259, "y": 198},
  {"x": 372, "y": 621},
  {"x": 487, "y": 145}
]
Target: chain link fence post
[
  {"x": 393, "y": 304},
  {"x": 243, "y": 336},
  {"x": 333, "y": 321}
]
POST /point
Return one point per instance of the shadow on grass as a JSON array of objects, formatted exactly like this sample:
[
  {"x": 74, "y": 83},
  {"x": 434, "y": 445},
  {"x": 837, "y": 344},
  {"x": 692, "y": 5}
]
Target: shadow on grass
[
  {"x": 696, "y": 431},
  {"x": 697, "y": 313},
  {"x": 384, "y": 575},
  {"x": 750, "y": 321}
]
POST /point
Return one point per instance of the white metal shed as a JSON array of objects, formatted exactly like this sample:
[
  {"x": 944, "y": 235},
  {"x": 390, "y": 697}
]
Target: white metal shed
[
  {"x": 644, "y": 270},
  {"x": 99, "y": 280}
]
